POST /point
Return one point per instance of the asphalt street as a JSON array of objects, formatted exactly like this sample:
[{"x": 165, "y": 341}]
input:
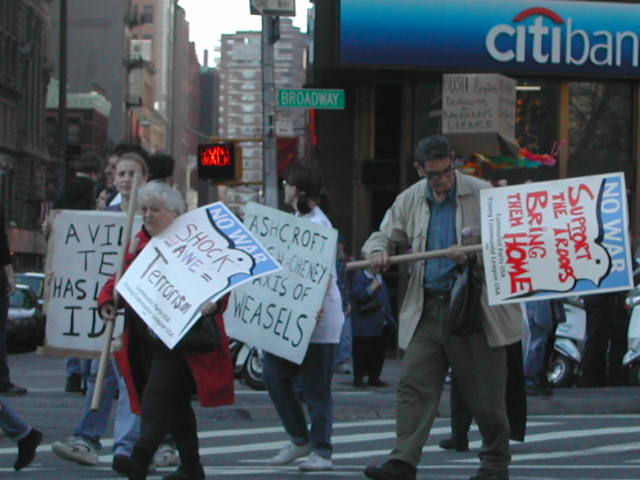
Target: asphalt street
[{"x": 576, "y": 434}]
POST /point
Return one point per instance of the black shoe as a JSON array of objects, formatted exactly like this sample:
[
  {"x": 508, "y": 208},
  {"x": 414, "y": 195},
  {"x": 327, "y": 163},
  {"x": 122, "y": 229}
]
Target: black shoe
[
  {"x": 74, "y": 383},
  {"x": 391, "y": 470},
  {"x": 376, "y": 382},
  {"x": 454, "y": 443},
  {"x": 128, "y": 467},
  {"x": 359, "y": 383},
  {"x": 27, "y": 449},
  {"x": 491, "y": 475},
  {"x": 12, "y": 390},
  {"x": 184, "y": 474}
]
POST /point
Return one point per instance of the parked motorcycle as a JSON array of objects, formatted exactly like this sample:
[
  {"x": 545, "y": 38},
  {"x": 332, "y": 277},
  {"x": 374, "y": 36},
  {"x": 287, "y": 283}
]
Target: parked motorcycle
[
  {"x": 248, "y": 362},
  {"x": 631, "y": 359},
  {"x": 570, "y": 339}
]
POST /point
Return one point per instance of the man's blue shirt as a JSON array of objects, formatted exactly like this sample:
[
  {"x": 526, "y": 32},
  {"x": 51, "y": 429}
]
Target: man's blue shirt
[{"x": 439, "y": 272}]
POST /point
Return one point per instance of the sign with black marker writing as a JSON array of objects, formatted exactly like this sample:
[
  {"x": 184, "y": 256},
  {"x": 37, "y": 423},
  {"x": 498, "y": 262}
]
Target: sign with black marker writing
[
  {"x": 200, "y": 257},
  {"x": 82, "y": 254},
  {"x": 278, "y": 312}
]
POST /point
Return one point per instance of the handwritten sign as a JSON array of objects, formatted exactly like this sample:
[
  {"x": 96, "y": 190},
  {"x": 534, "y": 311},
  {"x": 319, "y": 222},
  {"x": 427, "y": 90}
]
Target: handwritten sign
[
  {"x": 278, "y": 312},
  {"x": 556, "y": 239},
  {"x": 475, "y": 103},
  {"x": 200, "y": 257},
  {"x": 82, "y": 254}
]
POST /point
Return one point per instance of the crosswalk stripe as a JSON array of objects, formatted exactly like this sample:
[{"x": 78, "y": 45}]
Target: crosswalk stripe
[{"x": 560, "y": 435}]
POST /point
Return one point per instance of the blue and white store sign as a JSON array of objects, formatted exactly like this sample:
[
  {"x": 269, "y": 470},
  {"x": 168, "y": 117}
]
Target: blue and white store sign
[{"x": 574, "y": 37}]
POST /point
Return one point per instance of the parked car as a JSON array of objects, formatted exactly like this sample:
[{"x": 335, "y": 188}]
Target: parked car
[
  {"x": 35, "y": 280},
  {"x": 25, "y": 323}
]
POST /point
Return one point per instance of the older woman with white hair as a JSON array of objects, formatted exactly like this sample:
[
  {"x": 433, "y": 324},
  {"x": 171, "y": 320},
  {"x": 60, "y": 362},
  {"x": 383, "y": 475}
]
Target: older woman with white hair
[{"x": 161, "y": 381}]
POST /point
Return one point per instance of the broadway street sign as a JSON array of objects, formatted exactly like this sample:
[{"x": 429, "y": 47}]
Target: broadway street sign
[{"x": 311, "y": 98}]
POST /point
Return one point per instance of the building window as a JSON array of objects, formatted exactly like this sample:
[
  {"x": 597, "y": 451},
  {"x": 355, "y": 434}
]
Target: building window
[
  {"x": 147, "y": 14},
  {"x": 73, "y": 133}
]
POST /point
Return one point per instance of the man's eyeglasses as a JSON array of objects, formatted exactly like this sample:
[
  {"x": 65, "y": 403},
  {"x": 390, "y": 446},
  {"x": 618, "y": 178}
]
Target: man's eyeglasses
[{"x": 435, "y": 174}]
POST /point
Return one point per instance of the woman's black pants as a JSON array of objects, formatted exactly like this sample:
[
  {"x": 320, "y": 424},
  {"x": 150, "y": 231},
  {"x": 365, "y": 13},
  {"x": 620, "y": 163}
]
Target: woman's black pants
[{"x": 166, "y": 408}]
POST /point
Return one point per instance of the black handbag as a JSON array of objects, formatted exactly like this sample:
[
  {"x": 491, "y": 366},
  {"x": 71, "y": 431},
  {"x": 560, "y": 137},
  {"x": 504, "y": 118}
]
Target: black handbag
[
  {"x": 369, "y": 305},
  {"x": 465, "y": 310},
  {"x": 203, "y": 337}
]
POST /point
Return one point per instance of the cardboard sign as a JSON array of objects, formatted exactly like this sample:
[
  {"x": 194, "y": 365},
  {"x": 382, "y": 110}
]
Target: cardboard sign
[
  {"x": 556, "y": 239},
  {"x": 479, "y": 113},
  {"x": 82, "y": 254},
  {"x": 200, "y": 257},
  {"x": 278, "y": 312}
]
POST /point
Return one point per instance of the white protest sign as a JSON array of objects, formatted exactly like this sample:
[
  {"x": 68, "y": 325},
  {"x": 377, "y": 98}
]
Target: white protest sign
[
  {"x": 478, "y": 102},
  {"x": 82, "y": 254},
  {"x": 278, "y": 312},
  {"x": 556, "y": 239},
  {"x": 201, "y": 256}
]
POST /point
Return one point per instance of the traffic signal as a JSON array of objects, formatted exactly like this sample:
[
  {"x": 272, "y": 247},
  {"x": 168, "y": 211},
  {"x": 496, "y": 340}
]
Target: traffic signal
[{"x": 218, "y": 162}]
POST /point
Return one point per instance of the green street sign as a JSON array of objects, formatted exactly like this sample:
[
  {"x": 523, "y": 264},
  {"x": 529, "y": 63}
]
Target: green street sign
[{"x": 311, "y": 98}]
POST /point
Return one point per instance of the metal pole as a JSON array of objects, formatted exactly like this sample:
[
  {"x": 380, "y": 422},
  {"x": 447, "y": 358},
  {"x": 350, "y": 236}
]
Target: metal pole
[
  {"x": 62, "y": 89},
  {"x": 269, "y": 160}
]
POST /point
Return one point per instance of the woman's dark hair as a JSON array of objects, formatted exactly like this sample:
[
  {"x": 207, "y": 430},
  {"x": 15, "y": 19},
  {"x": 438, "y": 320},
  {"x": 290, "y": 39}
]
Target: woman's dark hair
[{"x": 307, "y": 181}]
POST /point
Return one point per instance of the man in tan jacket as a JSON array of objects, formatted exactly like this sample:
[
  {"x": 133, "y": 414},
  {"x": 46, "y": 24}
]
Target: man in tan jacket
[{"x": 442, "y": 211}]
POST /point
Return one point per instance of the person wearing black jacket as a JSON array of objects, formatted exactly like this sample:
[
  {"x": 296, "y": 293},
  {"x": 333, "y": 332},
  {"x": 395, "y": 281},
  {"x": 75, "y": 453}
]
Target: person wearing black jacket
[
  {"x": 81, "y": 190},
  {"x": 7, "y": 288}
]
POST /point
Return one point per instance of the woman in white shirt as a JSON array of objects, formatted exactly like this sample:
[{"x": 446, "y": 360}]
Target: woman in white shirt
[{"x": 302, "y": 190}]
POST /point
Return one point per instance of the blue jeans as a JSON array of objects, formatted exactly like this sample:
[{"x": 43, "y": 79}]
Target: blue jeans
[
  {"x": 540, "y": 317},
  {"x": 344, "y": 350},
  {"x": 93, "y": 425},
  {"x": 77, "y": 365},
  {"x": 11, "y": 423},
  {"x": 314, "y": 374}
]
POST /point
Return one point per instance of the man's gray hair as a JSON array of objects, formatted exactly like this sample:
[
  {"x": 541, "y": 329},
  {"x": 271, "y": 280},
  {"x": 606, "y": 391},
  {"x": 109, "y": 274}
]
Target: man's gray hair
[
  {"x": 433, "y": 147},
  {"x": 163, "y": 193}
]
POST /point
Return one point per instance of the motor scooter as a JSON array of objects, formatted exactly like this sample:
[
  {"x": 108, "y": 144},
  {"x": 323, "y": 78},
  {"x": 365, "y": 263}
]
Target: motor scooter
[
  {"x": 631, "y": 359},
  {"x": 248, "y": 362},
  {"x": 564, "y": 364}
]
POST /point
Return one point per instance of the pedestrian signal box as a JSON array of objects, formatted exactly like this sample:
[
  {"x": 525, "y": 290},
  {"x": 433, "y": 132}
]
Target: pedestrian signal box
[{"x": 218, "y": 162}]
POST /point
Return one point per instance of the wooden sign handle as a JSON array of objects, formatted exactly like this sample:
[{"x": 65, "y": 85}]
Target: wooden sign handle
[
  {"x": 110, "y": 325},
  {"x": 414, "y": 257}
]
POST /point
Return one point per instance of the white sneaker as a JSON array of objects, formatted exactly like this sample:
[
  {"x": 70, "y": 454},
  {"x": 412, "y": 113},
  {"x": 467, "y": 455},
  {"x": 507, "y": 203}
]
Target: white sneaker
[
  {"x": 76, "y": 450},
  {"x": 166, "y": 456},
  {"x": 289, "y": 453},
  {"x": 315, "y": 462}
]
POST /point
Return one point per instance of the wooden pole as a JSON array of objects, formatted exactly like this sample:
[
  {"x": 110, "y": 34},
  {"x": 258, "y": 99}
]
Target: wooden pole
[
  {"x": 110, "y": 325},
  {"x": 414, "y": 257}
]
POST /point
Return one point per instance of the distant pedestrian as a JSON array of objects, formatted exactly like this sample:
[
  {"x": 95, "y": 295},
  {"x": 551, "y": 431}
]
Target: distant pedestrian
[
  {"x": 27, "y": 437},
  {"x": 543, "y": 317},
  {"x": 302, "y": 192},
  {"x": 606, "y": 341},
  {"x": 372, "y": 320},
  {"x": 343, "y": 277},
  {"x": 161, "y": 168},
  {"x": 7, "y": 288},
  {"x": 80, "y": 193},
  {"x": 515, "y": 399}
]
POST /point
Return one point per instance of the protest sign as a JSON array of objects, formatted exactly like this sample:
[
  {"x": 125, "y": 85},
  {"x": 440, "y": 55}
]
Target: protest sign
[
  {"x": 556, "y": 239},
  {"x": 81, "y": 256},
  {"x": 201, "y": 256},
  {"x": 278, "y": 312}
]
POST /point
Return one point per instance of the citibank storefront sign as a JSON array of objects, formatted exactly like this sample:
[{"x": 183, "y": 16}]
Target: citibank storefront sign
[{"x": 573, "y": 37}]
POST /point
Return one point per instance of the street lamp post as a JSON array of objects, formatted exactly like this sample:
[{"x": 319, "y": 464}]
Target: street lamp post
[{"x": 269, "y": 165}]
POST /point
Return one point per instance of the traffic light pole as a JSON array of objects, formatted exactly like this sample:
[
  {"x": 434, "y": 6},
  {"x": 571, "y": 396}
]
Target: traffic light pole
[{"x": 269, "y": 160}]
